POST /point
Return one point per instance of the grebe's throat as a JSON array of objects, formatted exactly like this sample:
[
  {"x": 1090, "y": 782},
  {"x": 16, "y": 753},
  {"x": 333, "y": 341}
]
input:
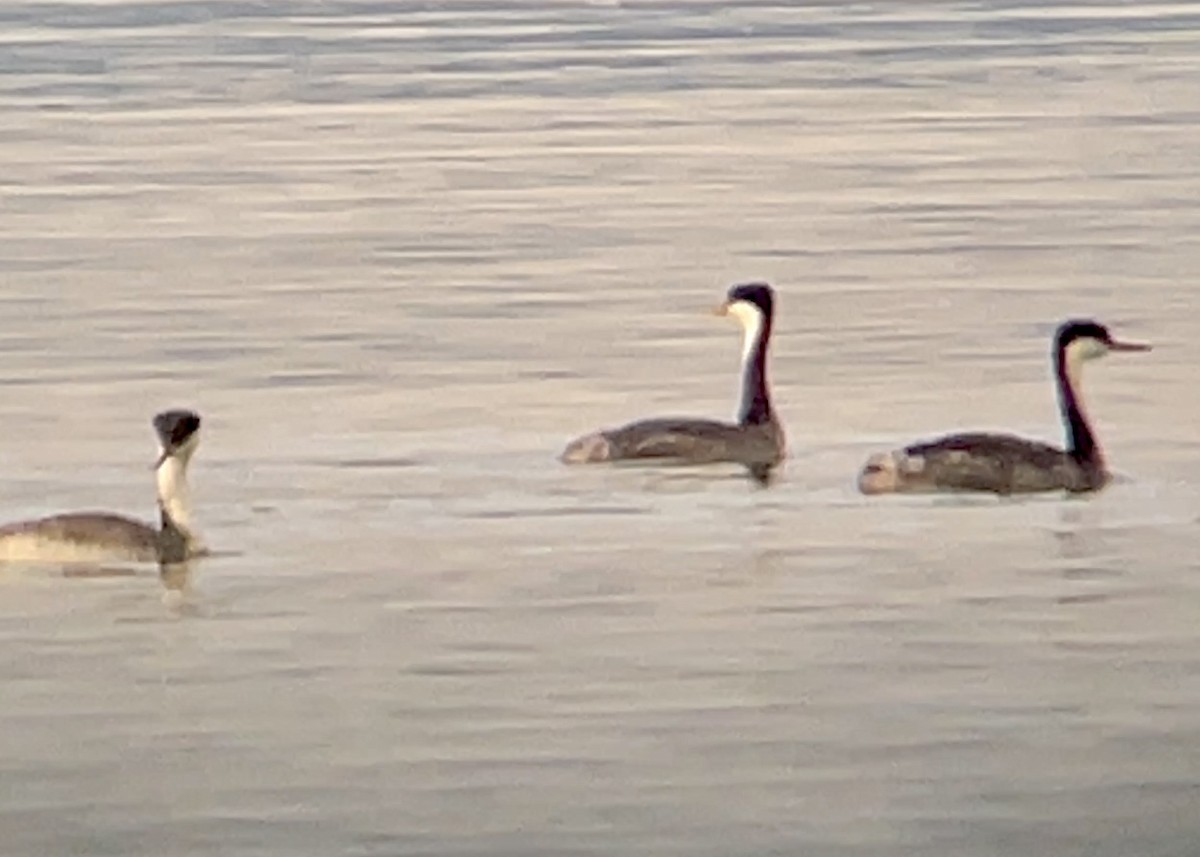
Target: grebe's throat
[
  {"x": 756, "y": 326},
  {"x": 174, "y": 497},
  {"x": 1069, "y": 360}
]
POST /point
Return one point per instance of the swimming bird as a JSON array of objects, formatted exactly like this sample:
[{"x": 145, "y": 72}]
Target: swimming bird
[
  {"x": 1005, "y": 464},
  {"x": 103, "y": 536},
  {"x": 756, "y": 440}
]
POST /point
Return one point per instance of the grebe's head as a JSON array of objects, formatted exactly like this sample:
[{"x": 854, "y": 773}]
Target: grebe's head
[
  {"x": 178, "y": 434},
  {"x": 749, "y": 303},
  {"x": 1079, "y": 340},
  {"x": 752, "y": 304}
]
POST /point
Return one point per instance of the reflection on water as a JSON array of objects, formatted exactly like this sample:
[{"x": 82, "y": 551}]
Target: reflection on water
[
  {"x": 400, "y": 253},
  {"x": 176, "y": 578}
]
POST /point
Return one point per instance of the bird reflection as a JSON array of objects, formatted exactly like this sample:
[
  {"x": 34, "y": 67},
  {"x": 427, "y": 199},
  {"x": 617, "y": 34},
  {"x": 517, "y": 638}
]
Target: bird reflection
[
  {"x": 178, "y": 593},
  {"x": 1079, "y": 535}
]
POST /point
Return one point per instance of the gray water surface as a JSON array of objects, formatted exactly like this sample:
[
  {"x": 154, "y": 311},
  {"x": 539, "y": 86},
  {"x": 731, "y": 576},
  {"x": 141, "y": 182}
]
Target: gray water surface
[{"x": 398, "y": 253}]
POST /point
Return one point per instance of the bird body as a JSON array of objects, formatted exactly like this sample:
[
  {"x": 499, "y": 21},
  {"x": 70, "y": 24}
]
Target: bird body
[
  {"x": 756, "y": 440},
  {"x": 1007, "y": 464}
]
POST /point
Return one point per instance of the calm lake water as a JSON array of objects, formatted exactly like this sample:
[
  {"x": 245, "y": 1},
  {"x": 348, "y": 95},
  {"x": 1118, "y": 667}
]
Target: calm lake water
[{"x": 398, "y": 253}]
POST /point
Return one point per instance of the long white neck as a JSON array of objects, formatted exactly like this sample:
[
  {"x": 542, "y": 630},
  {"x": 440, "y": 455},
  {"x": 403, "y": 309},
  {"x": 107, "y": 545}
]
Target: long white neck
[
  {"x": 755, "y": 406},
  {"x": 173, "y": 494},
  {"x": 1075, "y": 358},
  {"x": 752, "y": 323}
]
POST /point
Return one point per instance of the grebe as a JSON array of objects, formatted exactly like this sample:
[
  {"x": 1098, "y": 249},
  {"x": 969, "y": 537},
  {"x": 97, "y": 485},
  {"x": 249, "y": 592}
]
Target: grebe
[
  {"x": 1005, "y": 464},
  {"x": 756, "y": 440},
  {"x": 102, "y": 536}
]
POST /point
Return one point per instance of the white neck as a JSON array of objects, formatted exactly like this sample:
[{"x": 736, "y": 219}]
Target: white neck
[
  {"x": 1074, "y": 361},
  {"x": 1078, "y": 353},
  {"x": 751, "y": 319},
  {"x": 173, "y": 493}
]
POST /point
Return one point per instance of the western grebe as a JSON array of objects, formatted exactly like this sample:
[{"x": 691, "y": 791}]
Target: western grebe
[
  {"x": 756, "y": 440},
  {"x": 102, "y": 536},
  {"x": 1005, "y": 464}
]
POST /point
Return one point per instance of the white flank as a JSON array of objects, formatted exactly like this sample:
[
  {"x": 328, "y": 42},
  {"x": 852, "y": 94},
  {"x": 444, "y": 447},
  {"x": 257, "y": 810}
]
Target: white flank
[{"x": 36, "y": 547}]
